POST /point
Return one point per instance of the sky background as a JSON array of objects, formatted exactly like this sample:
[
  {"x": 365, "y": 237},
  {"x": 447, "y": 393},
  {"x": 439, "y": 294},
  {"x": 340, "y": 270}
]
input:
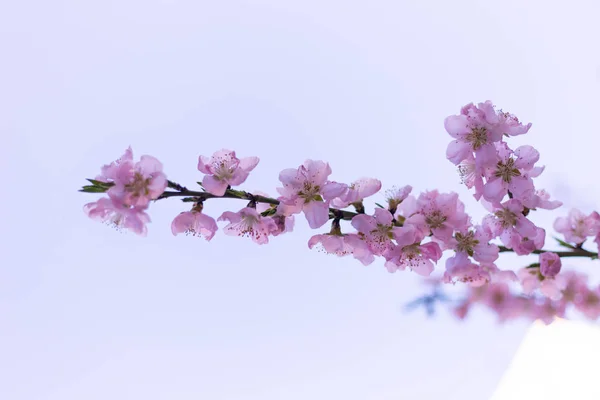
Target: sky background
[{"x": 90, "y": 313}]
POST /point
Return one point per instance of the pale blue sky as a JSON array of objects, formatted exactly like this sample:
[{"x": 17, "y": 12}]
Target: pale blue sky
[{"x": 89, "y": 313}]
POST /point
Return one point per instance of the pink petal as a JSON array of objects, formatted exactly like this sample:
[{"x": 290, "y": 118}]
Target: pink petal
[
  {"x": 204, "y": 165},
  {"x": 457, "y": 126},
  {"x": 182, "y": 222},
  {"x": 332, "y": 190},
  {"x": 423, "y": 267},
  {"x": 214, "y": 186},
  {"x": 364, "y": 223},
  {"x": 317, "y": 213},
  {"x": 248, "y": 163},
  {"x": 458, "y": 151},
  {"x": 206, "y": 225},
  {"x": 383, "y": 217},
  {"x": 317, "y": 172},
  {"x": 549, "y": 289},
  {"x": 494, "y": 190},
  {"x": 149, "y": 165},
  {"x": 527, "y": 157},
  {"x": 405, "y": 235}
]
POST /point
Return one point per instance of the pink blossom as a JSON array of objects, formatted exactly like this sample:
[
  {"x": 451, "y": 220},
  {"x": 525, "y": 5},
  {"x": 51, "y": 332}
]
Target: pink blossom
[
  {"x": 137, "y": 184},
  {"x": 527, "y": 245},
  {"x": 577, "y": 226},
  {"x": 194, "y": 223},
  {"x": 375, "y": 230},
  {"x": 357, "y": 191},
  {"x": 588, "y": 302},
  {"x": 410, "y": 253},
  {"x": 513, "y": 228},
  {"x": 395, "y": 196},
  {"x": 532, "y": 279},
  {"x": 476, "y": 129},
  {"x": 224, "y": 169},
  {"x": 471, "y": 176},
  {"x": 283, "y": 221},
  {"x": 307, "y": 189},
  {"x": 460, "y": 269},
  {"x": 550, "y": 264},
  {"x": 283, "y": 224},
  {"x": 476, "y": 244},
  {"x": 510, "y": 125},
  {"x": 440, "y": 214},
  {"x": 112, "y": 211},
  {"x": 498, "y": 298},
  {"x": 542, "y": 200},
  {"x": 575, "y": 286},
  {"x": 331, "y": 244},
  {"x": 247, "y": 222},
  {"x": 109, "y": 172},
  {"x": 548, "y": 310},
  {"x": 509, "y": 174},
  {"x": 360, "y": 248},
  {"x": 497, "y": 274}
]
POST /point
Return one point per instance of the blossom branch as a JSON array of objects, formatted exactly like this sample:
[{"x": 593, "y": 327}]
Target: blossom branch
[
  {"x": 577, "y": 252},
  {"x": 243, "y": 195},
  {"x": 410, "y": 232}
]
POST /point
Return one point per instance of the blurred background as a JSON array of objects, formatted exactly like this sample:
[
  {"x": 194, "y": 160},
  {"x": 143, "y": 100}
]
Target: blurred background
[{"x": 90, "y": 313}]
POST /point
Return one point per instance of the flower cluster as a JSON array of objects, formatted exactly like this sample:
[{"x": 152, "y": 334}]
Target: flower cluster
[
  {"x": 411, "y": 231},
  {"x": 131, "y": 185}
]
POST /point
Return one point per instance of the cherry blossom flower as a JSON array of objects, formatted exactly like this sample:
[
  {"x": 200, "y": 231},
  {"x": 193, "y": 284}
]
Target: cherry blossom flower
[
  {"x": 109, "y": 172},
  {"x": 112, "y": 211},
  {"x": 376, "y": 230},
  {"x": 542, "y": 200},
  {"x": 356, "y": 192},
  {"x": 471, "y": 176},
  {"x": 395, "y": 196},
  {"x": 284, "y": 222},
  {"x": 576, "y": 227},
  {"x": 248, "y": 222},
  {"x": 438, "y": 214},
  {"x": 532, "y": 279},
  {"x": 307, "y": 189},
  {"x": 223, "y": 169},
  {"x": 411, "y": 253},
  {"x": 476, "y": 244},
  {"x": 550, "y": 264},
  {"x": 509, "y": 175},
  {"x": 509, "y": 223},
  {"x": 588, "y": 302},
  {"x": 137, "y": 184},
  {"x": 460, "y": 269},
  {"x": 476, "y": 129},
  {"x": 194, "y": 223}
]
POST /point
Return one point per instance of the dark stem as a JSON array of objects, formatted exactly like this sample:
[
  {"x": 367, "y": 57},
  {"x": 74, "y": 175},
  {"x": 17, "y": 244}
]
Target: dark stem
[
  {"x": 239, "y": 194},
  {"x": 570, "y": 253}
]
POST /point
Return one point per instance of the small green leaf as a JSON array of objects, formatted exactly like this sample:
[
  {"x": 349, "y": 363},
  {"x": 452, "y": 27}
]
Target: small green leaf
[
  {"x": 269, "y": 212},
  {"x": 100, "y": 183},
  {"x": 564, "y": 244},
  {"x": 379, "y": 205},
  {"x": 93, "y": 189}
]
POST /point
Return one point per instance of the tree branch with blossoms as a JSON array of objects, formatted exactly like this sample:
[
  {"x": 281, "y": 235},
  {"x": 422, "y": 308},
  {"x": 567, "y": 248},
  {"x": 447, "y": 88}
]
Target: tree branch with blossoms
[{"x": 409, "y": 232}]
